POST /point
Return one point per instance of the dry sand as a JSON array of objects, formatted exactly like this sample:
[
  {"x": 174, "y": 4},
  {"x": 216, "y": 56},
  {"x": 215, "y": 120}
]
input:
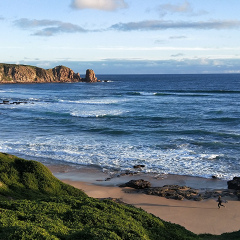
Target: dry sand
[{"x": 198, "y": 217}]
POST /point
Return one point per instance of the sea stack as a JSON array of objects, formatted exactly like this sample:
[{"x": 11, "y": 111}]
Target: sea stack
[{"x": 90, "y": 76}]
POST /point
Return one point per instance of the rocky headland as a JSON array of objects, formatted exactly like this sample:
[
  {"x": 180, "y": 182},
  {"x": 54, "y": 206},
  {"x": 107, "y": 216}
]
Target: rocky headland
[{"x": 13, "y": 73}]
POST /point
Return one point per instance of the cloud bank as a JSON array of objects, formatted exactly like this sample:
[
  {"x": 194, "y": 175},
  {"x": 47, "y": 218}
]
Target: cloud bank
[
  {"x": 48, "y": 27},
  {"x": 173, "y": 66},
  {"x": 182, "y": 8},
  {"x": 105, "y": 5},
  {"x": 177, "y": 37},
  {"x": 163, "y": 25}
]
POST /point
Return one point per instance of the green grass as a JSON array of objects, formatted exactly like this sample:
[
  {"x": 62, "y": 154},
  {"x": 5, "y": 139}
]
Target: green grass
[
  {"x": 22, "y": 179},
  {"x": 36, "y": 205}
]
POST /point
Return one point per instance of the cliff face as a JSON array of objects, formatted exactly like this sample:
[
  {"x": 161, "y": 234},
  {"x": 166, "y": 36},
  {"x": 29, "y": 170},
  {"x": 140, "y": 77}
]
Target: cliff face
[{"x": 12, "y": 73}]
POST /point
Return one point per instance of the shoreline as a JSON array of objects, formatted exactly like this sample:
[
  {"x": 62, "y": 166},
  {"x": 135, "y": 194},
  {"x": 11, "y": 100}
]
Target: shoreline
[
  {"x": 196, "y": 216},
  {"x": 97, "y": 176}
]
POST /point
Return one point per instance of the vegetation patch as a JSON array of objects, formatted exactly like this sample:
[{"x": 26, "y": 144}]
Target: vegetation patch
[{"x": 36, "y": 205}]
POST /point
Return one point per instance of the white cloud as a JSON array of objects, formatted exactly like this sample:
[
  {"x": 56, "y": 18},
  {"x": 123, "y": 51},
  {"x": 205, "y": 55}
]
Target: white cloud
[
  {"x": 185, "y": 7},
  {"x": 177, "y": 55},
  {"x": 177, "y": 37},
  {"x": 105, "y": 5}
]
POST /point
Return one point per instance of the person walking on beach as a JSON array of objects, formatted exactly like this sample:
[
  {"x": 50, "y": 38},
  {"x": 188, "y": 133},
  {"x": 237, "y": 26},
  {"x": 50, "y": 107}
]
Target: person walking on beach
[{"x": 220, "y": 202}]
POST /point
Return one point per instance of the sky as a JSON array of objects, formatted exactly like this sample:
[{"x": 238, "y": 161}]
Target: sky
[{"x": 123, "y": 36}]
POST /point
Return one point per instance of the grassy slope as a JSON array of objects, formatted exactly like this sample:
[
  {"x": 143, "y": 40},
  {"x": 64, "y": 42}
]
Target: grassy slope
[
  {"x": 22, "y": 179},
  {"x": 36, "y": 205}
]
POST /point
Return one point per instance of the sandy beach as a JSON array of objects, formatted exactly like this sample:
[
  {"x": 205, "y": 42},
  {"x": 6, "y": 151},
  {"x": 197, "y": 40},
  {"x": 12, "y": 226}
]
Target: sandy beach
[{"x": 196, "y": 216}]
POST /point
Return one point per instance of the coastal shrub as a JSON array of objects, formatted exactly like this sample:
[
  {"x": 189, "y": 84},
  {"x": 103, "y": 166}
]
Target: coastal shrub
[
  {"x": 224, "y": 236},
  {"x": 30, "y": 232},
  {"x": 94, "y": 234},
  {"x": 30, "y": 179},
  {"x": 69, "y": 217}
]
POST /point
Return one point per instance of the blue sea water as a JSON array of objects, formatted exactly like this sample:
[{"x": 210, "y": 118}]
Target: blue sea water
[{"x": 178, "y": 124}]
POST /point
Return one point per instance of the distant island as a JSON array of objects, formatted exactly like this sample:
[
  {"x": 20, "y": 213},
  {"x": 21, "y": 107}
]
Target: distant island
[{"x": 15, "y": 73}]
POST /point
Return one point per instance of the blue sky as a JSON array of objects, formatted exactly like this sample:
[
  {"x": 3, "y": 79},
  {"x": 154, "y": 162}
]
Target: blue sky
[{"x": 123, "y": 36}]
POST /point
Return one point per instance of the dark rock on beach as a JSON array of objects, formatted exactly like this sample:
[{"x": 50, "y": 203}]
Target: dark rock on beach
[
  {"x": 234, "y": 184},
  {"x": 137, "y": 184},
  {"x": 179, "y": 192},
  {"x": 174, "y": 192}
]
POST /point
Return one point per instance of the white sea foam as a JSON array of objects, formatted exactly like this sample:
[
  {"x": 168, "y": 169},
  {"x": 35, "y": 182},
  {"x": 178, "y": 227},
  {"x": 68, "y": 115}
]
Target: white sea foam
[
  {"x": 6, "y": 91},
  {"x": 96, "y": 113},
  {"x": 181, "y": 161},
  {"x": 94, "y": 101},
  {"x": 147, "y": 93},
  {"x": 34, "y": 99},
  {"x": 107, "y": 81}
]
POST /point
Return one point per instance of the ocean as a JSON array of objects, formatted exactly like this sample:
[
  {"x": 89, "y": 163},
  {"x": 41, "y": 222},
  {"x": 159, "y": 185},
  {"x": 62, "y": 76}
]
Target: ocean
[{"x": 172, "y": 124}]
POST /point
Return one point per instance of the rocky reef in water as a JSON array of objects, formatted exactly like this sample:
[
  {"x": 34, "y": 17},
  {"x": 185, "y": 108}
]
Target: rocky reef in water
[{"x": 14, "y": 73}]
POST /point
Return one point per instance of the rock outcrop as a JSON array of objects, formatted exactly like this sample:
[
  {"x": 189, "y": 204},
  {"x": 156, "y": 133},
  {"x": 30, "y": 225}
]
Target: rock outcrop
[
  {"x": 234, "y": 184},
  {"x": 137, "y": 184},
  {"x": 90, "y": 76},
  {"x": 178, "y": 192},
  {"x": 13, "y": 73}
]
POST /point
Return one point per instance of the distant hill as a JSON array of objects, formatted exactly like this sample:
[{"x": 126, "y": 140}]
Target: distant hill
[{"x": 13, "y": 73}]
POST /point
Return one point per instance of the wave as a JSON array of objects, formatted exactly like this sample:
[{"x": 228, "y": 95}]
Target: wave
[
  {"x": 198, "y": 93},
  {"x": 200, "y": 133},
  {"x": 93, "y": 102},
  {"x": 151, "y": 119},
  {"x": 183, "y": 93},
  {"x": 107, "y": 81},
  {"x": 205, "y": 91},
  {"x": 133, "y": 93},
  {"x": 149, "y": 94},
  {"x": 162, "y": 94},
  {"x": 95, "y": 114},
  {"x": 182, "y": 159},
  {"x": 223, "y": 119},
  {"x": 6, "y": 91},
  {"x": 108, "y": 131}
]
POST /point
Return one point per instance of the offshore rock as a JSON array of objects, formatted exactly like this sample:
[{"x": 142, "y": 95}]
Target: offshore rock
[
  {"x": 90, "y": 76},
  {"x": 13, "y": 73},
  {"x": 138, "y": 166}
]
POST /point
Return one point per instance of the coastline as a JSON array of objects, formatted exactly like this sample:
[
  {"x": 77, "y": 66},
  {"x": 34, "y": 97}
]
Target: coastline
[{"x": 196, "y": 216}]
